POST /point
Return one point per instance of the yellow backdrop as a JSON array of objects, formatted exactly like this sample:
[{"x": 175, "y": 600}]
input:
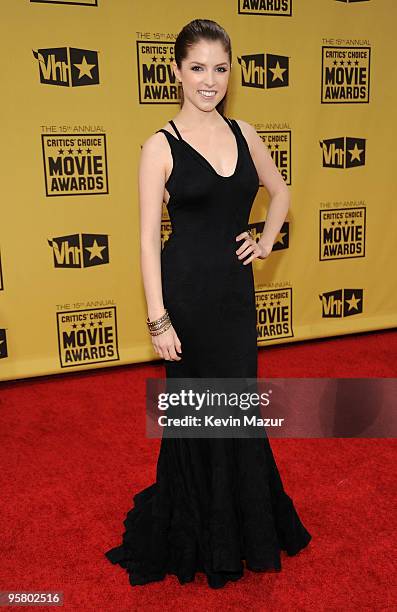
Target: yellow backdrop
[{"x": 85, "y": 83}]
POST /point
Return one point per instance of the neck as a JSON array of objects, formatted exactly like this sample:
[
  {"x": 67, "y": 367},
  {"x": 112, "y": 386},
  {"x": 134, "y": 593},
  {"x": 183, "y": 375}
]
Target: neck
[{"x": 192, "y": 118}]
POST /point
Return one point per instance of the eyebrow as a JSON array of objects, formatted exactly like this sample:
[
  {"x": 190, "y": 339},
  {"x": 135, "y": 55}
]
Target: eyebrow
[{"x": 201, "y": 64}]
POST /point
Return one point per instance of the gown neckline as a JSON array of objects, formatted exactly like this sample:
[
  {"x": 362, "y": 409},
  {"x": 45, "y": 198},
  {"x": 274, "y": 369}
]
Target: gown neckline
[{"x": 204, "y": 159}]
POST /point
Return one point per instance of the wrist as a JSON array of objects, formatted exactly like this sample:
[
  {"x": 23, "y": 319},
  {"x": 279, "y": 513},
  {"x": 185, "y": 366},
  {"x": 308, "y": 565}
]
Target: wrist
[
  {"x": 266, "y": 242},
  {"x": 155, "y": 312}
]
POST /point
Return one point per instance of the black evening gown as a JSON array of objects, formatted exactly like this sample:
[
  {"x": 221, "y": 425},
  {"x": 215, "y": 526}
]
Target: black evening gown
[{"x": 216, "y": 503}]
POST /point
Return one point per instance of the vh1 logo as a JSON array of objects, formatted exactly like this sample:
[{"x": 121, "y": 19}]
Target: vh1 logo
[
  {"x": 264, "y": 70},
  {"x": 67, "y": 66},
  {"x": 343, "y": 152}
]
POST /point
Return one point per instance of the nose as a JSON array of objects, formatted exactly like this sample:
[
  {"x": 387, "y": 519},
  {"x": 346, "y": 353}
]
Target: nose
[{"x": 209, "y": 81}]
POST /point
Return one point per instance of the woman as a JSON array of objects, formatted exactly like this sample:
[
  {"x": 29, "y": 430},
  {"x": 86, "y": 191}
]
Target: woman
[{"x": 216, "y": 502}]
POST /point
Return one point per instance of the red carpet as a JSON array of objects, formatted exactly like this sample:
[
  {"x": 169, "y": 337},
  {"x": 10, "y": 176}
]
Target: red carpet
[{"x": 73, "y": 453}]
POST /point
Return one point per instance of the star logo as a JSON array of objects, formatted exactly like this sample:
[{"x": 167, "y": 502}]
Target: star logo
[
  {"x": 278, "y": 72},
  {"x": 84, "y": 68},
  {"x": 95, "y": 250},
  {"x": 355, "y": 153},
  {"x": 353, "y": 302}
]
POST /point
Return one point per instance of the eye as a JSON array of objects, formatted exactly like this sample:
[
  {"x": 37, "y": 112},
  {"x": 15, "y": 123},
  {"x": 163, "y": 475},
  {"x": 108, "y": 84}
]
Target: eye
[{"x": 221, "y": 68}]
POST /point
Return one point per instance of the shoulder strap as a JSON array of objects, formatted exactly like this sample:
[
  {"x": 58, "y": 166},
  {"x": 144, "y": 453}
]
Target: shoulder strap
[
  {"x": 176, "y": 129},
  {"x": 230, "y": 122},
  {"x": 237, "y": 128},
  {"x": 170, "y": 137},
  {"x": 240, "y": 136},
  {"x": 234, "y": 126}
]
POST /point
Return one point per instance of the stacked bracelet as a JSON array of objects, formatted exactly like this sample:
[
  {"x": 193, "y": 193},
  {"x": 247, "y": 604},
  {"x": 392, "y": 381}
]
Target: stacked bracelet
[{"x": 159, "y": 326}]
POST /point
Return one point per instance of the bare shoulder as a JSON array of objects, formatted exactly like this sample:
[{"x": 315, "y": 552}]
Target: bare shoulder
[
  {"x": 155, "y": 152},
  {"x": 269, "y": 174},
  {"x": 247, "y": 129},
  {"x": 155, "y": 143},
  {"x": 155, "y": 158}
]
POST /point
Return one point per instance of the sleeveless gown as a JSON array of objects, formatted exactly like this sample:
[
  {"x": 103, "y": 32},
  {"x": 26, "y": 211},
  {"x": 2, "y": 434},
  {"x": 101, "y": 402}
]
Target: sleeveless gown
[{"x": 216, "y": 503}]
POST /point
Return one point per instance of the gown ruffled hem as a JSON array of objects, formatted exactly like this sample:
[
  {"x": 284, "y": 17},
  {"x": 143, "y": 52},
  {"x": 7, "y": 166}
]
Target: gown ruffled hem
[{"x": 153, "y": 548}]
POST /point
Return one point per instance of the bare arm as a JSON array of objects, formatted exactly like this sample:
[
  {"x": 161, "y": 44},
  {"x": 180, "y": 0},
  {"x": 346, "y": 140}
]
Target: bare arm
[
  {"x": 151, "y": 189},
  {"x": 151, "y": 183},
  {"x": 271, "y": 178}
]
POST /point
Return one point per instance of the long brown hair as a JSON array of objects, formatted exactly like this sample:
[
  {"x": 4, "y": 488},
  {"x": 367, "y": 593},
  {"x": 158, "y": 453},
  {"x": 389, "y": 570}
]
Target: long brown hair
[{"x": 191, "y": 34}]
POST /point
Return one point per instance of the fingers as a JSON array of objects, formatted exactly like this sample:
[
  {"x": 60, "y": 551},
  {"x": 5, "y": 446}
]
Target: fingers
[
  {"x": 167, "y": 344},
  {"x": 242, "y": 235},
  {"x": 254, "y": 249},
  {"x": 177, "y": 347},
  {"x": 171, "y": 355},
  {"x": 253, "y": 256},
  {"x": 249, "y": 240},
  {"x": 250, "y": 245},
  {"x": 243, "y": 248},
  {"x": 249, "y": 249},
  {"x": 174, "y": 356},
  {"x": 168, "y": 352}
]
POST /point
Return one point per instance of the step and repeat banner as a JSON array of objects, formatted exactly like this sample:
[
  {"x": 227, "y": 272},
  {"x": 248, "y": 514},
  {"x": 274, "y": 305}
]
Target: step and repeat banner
[{"x": 85, "y": 83}]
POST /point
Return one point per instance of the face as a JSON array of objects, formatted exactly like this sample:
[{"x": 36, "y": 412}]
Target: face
[{"x": 204, "y": 74}]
